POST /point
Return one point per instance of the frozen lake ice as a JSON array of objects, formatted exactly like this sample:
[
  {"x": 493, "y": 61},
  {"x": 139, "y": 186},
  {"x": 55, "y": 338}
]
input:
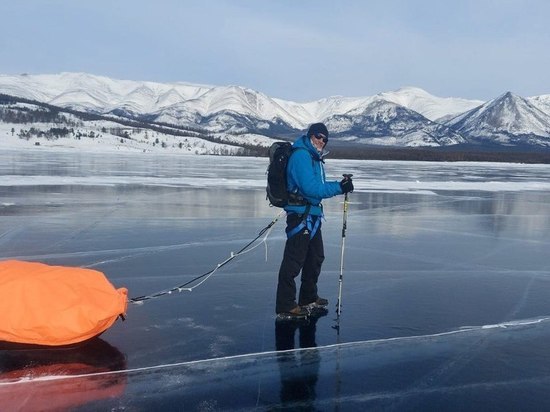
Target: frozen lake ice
[{"x": 445, "y": 295}]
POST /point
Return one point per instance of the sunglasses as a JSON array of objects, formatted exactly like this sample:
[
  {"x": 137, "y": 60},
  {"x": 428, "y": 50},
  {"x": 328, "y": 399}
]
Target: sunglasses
[{"x": 321, "y": 136}]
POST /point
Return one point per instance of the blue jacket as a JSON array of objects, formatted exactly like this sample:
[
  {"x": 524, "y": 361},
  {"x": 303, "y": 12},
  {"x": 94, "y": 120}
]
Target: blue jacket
[{"x": 306, "y": 176}]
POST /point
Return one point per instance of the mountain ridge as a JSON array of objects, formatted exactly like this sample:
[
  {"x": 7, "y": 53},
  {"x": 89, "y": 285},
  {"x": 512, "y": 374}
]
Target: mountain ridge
[{"x": 409, "y": 116}]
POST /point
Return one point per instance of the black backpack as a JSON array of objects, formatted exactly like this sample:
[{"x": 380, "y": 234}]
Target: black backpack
[{"x": 277, "y": 192}]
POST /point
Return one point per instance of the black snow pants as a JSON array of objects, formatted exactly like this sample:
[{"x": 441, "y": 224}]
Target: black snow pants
[{"x": 302, "y": 253}]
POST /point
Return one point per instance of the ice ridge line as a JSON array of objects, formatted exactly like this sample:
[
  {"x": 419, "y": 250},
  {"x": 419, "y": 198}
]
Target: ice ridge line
[{"x": 463, "y": 329}]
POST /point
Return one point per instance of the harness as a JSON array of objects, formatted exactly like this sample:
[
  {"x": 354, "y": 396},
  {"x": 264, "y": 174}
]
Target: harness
[{"x": 306, "y": 223}]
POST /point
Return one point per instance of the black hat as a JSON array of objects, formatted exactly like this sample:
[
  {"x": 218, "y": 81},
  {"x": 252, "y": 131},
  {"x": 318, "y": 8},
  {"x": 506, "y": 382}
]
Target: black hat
[{"x": 316, "y": 129}]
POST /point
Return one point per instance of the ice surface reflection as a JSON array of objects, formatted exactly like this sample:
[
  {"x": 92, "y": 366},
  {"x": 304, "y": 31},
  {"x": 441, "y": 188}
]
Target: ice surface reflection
[
  {"x": 29, "y": 376},
  {"x": 462, "y": 369}
]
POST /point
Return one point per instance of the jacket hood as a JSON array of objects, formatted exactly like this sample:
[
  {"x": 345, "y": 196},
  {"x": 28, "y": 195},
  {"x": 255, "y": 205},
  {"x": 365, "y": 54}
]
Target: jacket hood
[{"x": 305, "y": 143}]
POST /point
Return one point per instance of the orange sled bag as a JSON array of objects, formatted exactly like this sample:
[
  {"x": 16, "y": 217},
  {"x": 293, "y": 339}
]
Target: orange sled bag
[{"x": 55, "y": 305}]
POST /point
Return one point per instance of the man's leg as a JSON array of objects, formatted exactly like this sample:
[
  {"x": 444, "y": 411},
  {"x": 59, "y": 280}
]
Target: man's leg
[
  {"x": 296, "y": 249},
  {"x": 311, "y": 270}
]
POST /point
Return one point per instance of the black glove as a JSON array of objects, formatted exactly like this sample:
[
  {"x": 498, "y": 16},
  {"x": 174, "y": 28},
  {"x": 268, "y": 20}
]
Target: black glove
[{"x": 346, "y": 184}]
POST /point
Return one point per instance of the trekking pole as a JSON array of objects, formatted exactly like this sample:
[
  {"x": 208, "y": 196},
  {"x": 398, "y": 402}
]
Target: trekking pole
[{"x": 344, "y": 227}]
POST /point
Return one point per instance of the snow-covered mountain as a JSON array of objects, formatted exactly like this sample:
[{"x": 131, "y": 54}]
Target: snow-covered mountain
[
  {"x": 27, "y": 123},
  {"x": 406, "y": 117},
  {"x": 389, "y": 123},
  {"x": 98, "y": 93},
  {"x": 431, "y": 107},
  {"x": 175, "y": 101},
  {"x": 509, "y": 119}
]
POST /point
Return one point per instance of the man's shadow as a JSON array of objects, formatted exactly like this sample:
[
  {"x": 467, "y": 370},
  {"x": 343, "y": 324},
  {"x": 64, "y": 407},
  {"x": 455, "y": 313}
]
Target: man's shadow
[{"x": 299, "y": 369}]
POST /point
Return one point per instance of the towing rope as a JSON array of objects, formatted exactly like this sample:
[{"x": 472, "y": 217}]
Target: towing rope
[{"x": 185, "y": 287}]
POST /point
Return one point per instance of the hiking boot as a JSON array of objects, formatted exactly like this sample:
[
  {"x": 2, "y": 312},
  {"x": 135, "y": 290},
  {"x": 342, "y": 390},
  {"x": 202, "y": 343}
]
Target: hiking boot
[
  {"x": 321, "y": 302},
  {"x": 318, "y": 312},
  {"x": 318, "y": 303},
  {"x": 297, "y": 313}
]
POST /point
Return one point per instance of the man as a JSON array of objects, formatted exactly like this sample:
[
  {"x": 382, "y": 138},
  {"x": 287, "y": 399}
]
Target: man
[{"x": 304, "y": 246}]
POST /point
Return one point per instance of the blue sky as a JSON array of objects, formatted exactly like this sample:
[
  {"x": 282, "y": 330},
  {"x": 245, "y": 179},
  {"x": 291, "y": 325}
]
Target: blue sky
[{"x": 292, "y": 49}]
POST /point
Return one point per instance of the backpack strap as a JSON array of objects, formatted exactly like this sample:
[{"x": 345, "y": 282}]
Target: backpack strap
[{"x": 296, "y": 199}]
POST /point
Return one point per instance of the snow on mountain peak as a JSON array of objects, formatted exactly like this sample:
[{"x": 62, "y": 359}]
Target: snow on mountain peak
[
  {"x": 429, "y": 106},
  {"x": 542, "y": 102}
]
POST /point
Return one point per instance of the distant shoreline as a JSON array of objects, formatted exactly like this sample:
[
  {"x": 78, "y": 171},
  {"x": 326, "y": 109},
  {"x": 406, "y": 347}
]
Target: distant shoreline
[
  {"x": 445, "y": 154},
  {"x": 456, "y": 154}
]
